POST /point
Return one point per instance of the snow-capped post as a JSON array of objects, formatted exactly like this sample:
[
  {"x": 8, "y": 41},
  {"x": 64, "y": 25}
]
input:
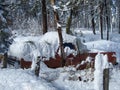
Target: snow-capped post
[
  {"x": 37, "y": 67},
  {"x": 98, "y": 73},
  {"x": 101, "y": 74},
  {"x": 56, "y": 17}
]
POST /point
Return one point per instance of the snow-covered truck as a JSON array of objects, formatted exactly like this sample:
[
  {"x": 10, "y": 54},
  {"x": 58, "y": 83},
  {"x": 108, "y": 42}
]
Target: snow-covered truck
[{"x": 28, "y": 48}]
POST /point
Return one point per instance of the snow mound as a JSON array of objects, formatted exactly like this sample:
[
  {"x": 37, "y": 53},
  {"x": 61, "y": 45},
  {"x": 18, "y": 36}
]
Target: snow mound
[{"x": 29, "y": 47}]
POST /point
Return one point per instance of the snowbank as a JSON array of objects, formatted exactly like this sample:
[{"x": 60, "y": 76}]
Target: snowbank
[{"x": 104, "y": 46}]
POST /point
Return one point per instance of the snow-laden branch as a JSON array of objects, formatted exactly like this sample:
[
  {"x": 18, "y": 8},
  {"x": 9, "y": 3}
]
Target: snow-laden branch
[{"x": 55, "y": 7}]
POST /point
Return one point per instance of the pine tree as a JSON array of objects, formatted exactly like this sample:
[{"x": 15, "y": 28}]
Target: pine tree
[{"x": 4, "y": 26}]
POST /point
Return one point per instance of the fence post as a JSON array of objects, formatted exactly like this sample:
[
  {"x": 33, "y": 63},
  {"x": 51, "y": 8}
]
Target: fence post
[
  {"x": 106, "y": 79},
  {"x": 37, "y": 67},
  {"x": 5, "y": 60}
]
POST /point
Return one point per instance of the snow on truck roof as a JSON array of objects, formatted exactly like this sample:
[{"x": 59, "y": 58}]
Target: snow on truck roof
[
  {"x": 29, "y": 47},
  {"x": 53, "y": 36}
]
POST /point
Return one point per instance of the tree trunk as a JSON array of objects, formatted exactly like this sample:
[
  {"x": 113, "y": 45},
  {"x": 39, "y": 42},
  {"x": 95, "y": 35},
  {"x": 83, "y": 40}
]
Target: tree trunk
[
  {"x": 117, "y": 24},
  {"x": 107, "y": 21},
  {"x": 92, "y": 20},
  {"x": 61, "y": 47},
  {"x": 56, "y": 17},
  {"x": 44, "y": 16},
  {"x": 119, "y": 19},
  {"x": 107, "y": 13},
  {"x": 69, "y": 21},
  {"x": 93, "y": 26},
  {"x": 101, "y": 19}
]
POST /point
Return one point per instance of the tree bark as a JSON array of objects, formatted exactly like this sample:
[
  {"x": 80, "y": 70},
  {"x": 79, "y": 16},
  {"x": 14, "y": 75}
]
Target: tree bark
[
  {"x": 92, "y": 20},
  {"x": 44, "y": 16},
  {"x": 101, "y": 19},
  {"x": 119, "y": 24},
  {"x": 37, "y": 67},
  {"x": 107, "y": 14},
  {"x": 69, "y": 21},
  {"x": 5, "y": 60},
  {"x": 118, "y": 5},
  {"x": 56, "y": 17},
  {"x": 106, "y": 79}
]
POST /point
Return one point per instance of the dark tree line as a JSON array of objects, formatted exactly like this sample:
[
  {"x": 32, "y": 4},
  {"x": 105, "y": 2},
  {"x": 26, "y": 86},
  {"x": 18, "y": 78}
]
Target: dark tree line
[{"x": 79, "y": 13}]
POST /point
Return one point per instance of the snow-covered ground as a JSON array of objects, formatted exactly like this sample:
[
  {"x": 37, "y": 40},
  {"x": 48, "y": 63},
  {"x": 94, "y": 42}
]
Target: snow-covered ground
[
  {"x": 58, "y": 79},
  {"x": 66, "y": 78}
]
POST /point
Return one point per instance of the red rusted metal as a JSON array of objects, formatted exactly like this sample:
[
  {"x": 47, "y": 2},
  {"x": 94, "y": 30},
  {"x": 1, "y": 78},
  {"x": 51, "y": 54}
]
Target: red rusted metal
[
  {"x": 25, "y": 64},
  {"x": 72, "y": 60},
  {"x": 75, "y": 60}
]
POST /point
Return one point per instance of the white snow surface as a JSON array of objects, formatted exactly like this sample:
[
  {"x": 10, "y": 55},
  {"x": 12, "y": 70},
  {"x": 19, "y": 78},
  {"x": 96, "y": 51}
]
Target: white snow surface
[{"x": 18, "y": 79}]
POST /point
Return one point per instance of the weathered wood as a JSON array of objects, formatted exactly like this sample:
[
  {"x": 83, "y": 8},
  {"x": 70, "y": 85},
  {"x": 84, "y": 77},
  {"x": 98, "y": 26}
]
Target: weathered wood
[
  {"x": 92, "y": 15},
  {"x": 101, "y": 18},
  {"x": 69, "y": 21},
  {"x": 106, "y": 79},
  {"x": 59, "y": 29},
  {"x": 13, "y": 61},
  {"x": 44, "y": 16},
  {"x": 37, "y": 67},
  {"x": 5, "y": 60}
]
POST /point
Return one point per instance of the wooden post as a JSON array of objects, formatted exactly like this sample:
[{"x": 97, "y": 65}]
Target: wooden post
[
  {"x": 37, "y": 67},
  {"x": 106, "y": 79},
  {"x": 59, "y": 29},
  {"x": 5, "y": 60}
]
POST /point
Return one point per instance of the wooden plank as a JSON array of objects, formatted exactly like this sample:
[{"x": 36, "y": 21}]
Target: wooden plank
[{"x": 106, "y": 79}]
